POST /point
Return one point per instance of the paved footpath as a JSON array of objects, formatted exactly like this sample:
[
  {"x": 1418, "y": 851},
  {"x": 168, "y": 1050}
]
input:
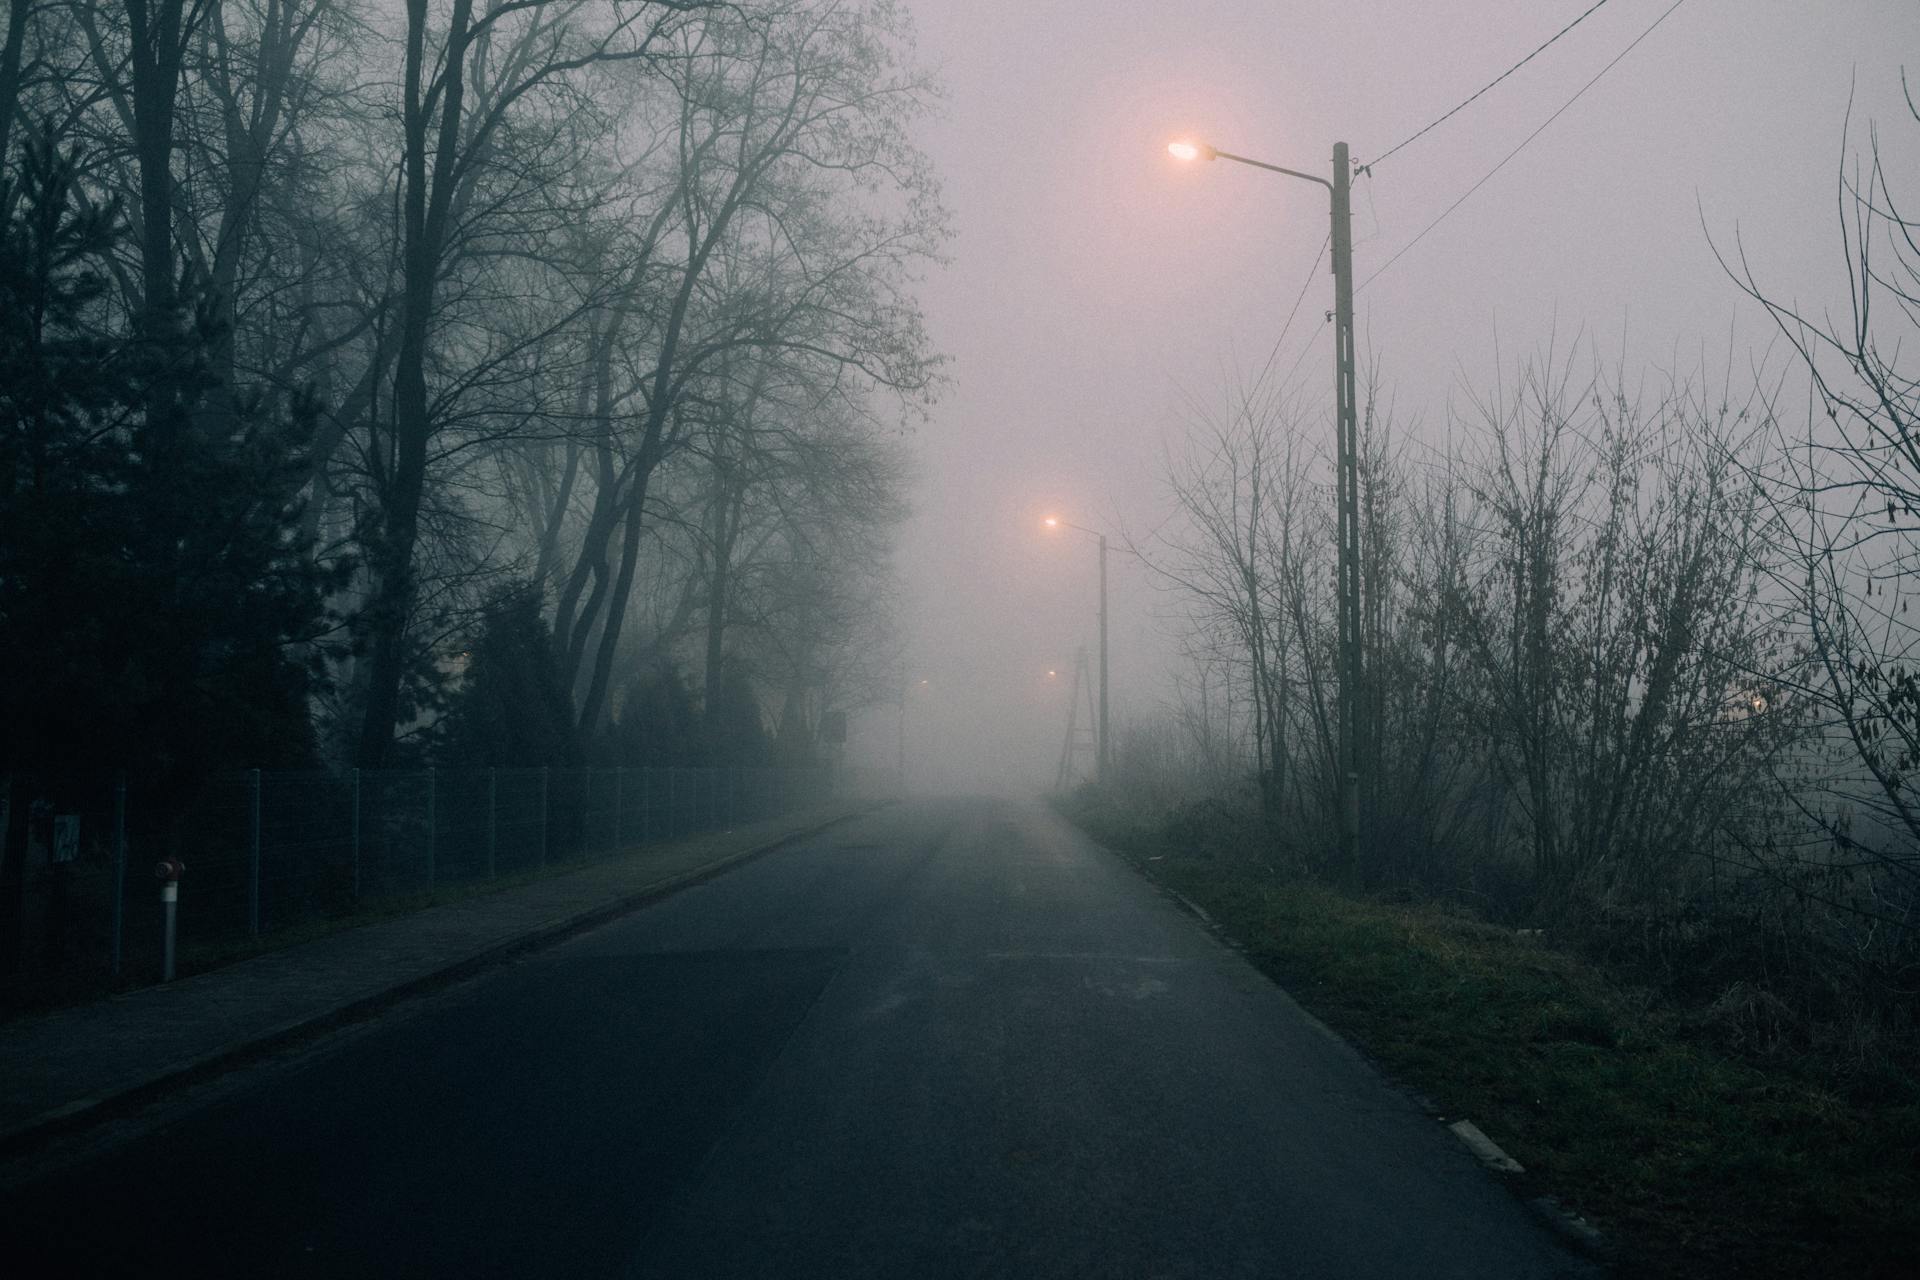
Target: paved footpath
[{"x": 62, "y": 1070}]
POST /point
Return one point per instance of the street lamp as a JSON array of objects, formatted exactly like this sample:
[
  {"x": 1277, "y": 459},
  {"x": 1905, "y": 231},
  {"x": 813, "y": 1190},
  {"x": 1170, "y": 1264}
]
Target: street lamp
[
  {"x": 1100, "y": 750},
  {"x": 1346, "y": 433}
]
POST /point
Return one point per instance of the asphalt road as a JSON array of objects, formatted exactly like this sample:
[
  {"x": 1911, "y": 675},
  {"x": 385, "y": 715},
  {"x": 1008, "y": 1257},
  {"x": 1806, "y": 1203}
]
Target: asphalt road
[{"x": 949, "y": 1039}]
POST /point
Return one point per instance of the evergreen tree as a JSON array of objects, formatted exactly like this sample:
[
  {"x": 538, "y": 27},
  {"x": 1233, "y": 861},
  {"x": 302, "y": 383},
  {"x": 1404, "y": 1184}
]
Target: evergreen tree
[
  {"x": 510, "y": 708},
  {"x": 734, "y": 730},
  {"x": 157, "y": 607},
  {"x": 656, "y": 724}
]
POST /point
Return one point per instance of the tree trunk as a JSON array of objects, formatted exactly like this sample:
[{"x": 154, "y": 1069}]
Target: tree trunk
[
  {"x": 425, "y": 218},
  {"x": 10, "y": 76},
  {"x": 154, "y": 28}
]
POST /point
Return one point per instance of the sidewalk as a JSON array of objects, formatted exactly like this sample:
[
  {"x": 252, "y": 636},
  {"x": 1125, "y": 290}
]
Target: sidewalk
[{"x": 66, "y": 1069}]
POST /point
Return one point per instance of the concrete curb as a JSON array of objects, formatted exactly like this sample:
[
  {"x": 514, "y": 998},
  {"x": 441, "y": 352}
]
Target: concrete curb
[
  {"x": 1570, "y": 1226},
  {"x": 1484, "y": 1147},
  {"x": 85, "y": 1112}
]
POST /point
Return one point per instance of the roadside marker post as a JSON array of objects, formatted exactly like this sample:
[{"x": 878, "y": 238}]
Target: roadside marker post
[{"x": 168, "y": 873}]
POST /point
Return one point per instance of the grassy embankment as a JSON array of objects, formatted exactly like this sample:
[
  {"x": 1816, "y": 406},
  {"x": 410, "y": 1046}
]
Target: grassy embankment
[{"x": 1694, "y": 1157}]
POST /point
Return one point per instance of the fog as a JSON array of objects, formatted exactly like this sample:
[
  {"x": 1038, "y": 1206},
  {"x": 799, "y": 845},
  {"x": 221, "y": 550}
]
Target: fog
[{"x": 1097, "y": 290}]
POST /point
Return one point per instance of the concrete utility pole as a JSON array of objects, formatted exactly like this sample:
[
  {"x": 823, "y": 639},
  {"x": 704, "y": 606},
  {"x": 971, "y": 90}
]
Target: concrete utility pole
[
  {"x": 1346, "y": 473},
  {"x": 1100, "y": 754},
  {"x": 1348, "y": 561}
]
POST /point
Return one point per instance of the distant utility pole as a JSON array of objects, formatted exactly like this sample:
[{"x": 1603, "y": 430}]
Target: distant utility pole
[
  {"x": 1101, "y": 759},
  {"x": 1070, "y": 750}
]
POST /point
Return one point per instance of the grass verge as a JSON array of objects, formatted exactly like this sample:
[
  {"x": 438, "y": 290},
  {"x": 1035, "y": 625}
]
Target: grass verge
[{"x": 1696, "y": 1160}]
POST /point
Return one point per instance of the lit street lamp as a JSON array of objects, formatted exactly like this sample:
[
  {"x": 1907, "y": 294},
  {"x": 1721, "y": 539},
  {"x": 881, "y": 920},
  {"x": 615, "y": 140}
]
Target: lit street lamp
[
  {"x": 1346, "y": 432},
  {"x": 1100, "y": 750}
]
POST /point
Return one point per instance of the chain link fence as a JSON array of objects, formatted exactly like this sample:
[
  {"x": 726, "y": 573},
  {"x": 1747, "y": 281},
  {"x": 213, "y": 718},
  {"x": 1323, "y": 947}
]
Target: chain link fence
[{"x": 266, "y": 851}]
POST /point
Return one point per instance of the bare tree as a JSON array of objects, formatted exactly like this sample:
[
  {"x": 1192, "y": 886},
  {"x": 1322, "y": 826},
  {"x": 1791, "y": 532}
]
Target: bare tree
[
  {"x": 1246, "y": 534},
  {"x": 1845, "y": 488},
  {"x": 788, "y": 124}
]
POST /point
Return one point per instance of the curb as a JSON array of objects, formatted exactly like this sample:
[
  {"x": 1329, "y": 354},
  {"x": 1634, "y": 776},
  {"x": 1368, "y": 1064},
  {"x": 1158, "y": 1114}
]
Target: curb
[
  {"x": 1484, "y": 1147},
  {"x": 1567, "y": 1224},
  {"x": 1573, "y": 1230},
  {"x": 85, "y": 1112}
]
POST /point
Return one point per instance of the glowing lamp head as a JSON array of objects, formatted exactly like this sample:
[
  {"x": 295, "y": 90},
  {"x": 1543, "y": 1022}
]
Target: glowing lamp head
[
  {"x": 1190, "y": 151},
  {"x": 1052, "y": 522}
]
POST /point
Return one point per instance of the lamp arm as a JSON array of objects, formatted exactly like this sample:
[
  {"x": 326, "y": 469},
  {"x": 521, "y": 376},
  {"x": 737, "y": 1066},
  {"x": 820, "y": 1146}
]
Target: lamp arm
[{"x": 1272, "y": 168}]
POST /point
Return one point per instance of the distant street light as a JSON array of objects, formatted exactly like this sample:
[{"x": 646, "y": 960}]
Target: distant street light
[
  {"x": 1100, "y": 751},
  {"x": 1346, "y": 433}
]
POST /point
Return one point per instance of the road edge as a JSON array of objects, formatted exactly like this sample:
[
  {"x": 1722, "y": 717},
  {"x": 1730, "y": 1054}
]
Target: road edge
[
  {"x": 83, "y": 1113},
  {"x": 1575, "y": 1231}
]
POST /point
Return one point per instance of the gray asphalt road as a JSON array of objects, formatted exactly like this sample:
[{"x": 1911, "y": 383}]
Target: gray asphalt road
[{"x": 949, "y": 1039}]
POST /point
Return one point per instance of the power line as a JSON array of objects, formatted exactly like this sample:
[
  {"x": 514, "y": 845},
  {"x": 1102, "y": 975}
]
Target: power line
[
  {"x": 1313, "y": 340},
  {"x": 1312, "y": 271},
  {"x": 1523, "y": 145},
  {"x": 1367, "y": 168},
  {"x": 1267, "y": 367}
]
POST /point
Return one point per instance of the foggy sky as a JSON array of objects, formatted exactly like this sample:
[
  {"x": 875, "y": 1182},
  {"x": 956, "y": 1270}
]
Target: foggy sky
[{"x": 1096, "y": 285}]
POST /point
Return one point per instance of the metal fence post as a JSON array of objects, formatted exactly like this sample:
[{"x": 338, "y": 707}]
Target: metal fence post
[
  {"x": 646, "y": 802},
  {"x": 253, "y": 853},
  {"x": 433, "y": 826},
  {"x": 731, "y": 770},
  {"x": 493, "y": 819},
  {"x": 356, "y": 835},
  {"x": 546, "y": 774},
  {"x": 617, "y": 797},
  {"x": 673, "y": 801},
  {"x": 119, "y": 869}
]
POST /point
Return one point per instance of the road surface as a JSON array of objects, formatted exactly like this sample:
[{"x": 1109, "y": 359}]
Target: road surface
[{"x": 952, "y": 1038}]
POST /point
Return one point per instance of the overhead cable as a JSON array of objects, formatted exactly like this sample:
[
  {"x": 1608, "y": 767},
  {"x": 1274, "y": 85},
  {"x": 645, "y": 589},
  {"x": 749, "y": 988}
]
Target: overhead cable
[
  {"x": 1522, "y": 147},
  {"x": 1420, "y": 133},
  {"x": 1288, "y": 326}
]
